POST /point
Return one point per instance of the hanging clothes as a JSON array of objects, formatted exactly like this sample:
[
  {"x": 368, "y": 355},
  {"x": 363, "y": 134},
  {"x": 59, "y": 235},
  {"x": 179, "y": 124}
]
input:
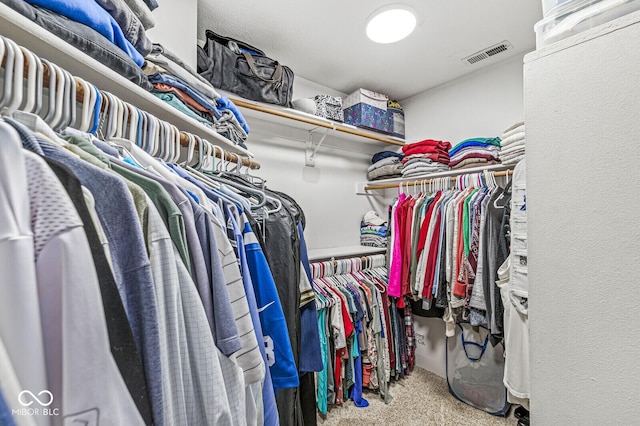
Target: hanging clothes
[{"x": 445, "y": 249}]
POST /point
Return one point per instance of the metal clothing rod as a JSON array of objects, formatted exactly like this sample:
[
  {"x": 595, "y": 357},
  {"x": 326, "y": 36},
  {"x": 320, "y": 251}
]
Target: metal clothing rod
[
  {"x": 184, "y": 136},
  {"x": 426, "y": 181}
]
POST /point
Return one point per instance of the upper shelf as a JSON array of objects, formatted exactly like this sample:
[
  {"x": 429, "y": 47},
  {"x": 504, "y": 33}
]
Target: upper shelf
[
  {"x": 46, "y": 45},
  {"x": 301, "y": 120}
]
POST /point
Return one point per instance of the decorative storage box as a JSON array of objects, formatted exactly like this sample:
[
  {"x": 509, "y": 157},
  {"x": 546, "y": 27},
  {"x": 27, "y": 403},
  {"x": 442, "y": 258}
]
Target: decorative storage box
[
  {"x": 329, "y": 107},
  {"x": 396, "y": 116},
  {"x": 364, "y": 108}
]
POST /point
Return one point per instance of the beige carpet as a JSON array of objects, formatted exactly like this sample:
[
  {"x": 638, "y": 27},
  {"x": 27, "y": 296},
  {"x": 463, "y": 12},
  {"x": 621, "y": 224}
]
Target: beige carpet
[{"x": 420, "y": 399}]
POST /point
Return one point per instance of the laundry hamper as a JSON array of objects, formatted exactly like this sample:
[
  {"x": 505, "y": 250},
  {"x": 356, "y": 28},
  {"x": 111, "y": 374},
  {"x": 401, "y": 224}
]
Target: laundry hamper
[{"x": 475, "y": 369}]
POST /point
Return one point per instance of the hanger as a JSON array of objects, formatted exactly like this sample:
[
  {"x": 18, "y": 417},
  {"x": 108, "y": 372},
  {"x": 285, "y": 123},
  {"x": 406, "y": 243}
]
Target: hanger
[
  {"x": 35, "y": 83},
  {"x": 190, "y": 150},
  {"x": 60, "y": 92},
  {"x": 8, "y": 71},
  {"x": 15, "y": 99},
  {"x": 260, "y": 195},
  {"x": 87, "y": 106},
  {"x": 69, "y": 102}
]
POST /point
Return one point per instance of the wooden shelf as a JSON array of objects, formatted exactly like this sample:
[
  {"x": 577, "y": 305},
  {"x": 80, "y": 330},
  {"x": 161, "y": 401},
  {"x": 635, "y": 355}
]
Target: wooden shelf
[
  {"x": 297, "y": 119},
  {"x": 339, "y": 252},
  {"x": 46, "y": 45}
]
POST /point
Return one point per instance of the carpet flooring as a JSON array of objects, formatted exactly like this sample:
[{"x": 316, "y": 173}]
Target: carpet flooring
[{"x": 420, "y": 399}]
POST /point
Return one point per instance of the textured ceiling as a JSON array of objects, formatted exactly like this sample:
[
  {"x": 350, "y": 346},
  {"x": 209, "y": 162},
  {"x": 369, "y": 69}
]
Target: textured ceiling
[{"x": 324, "y": 41}]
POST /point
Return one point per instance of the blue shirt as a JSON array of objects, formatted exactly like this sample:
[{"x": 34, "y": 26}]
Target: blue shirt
[{"x": 284, "y": 373}]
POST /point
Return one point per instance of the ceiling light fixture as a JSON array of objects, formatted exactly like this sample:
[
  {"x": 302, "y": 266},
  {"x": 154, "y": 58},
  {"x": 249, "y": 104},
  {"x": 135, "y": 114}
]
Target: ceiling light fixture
[{"x": 391, "y": 23}]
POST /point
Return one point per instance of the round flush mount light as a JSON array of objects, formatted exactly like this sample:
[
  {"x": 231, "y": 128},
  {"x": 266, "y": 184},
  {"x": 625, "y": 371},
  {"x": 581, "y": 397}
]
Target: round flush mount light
[{"x": 391, "y": 23}]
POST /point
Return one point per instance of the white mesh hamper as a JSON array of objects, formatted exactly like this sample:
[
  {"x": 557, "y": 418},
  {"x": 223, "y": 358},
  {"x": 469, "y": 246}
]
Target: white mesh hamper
[{"x": 475, "y": 370}]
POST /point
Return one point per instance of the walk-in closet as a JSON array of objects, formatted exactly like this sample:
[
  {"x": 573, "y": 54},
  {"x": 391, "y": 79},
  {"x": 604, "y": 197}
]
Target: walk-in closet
[{"x": 319, "y": 213}]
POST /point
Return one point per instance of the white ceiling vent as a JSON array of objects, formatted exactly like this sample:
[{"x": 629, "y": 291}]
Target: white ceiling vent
[{"x": 488, "y": 52}]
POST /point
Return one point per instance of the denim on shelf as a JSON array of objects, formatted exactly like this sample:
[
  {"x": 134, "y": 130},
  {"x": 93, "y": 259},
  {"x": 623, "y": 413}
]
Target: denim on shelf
[
  {"x": 129, "y": 23},
  {"x": 84, "y": 39},
  {"x": 92, "y": 15}
]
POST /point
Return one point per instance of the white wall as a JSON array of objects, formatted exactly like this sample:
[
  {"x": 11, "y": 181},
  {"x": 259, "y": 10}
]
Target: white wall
[
  {"x": 326, "y": 192},
  {"x": 482, "y": 104},
  {"x": 477, "y": 105},
  {"x": 584, "y": 234},
  {"x": 176, "y": 28}
]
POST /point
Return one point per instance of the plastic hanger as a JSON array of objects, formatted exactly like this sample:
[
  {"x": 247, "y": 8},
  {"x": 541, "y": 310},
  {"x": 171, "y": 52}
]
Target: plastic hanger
[
  {"x": 53, "y": 81},
  {"x": 8, "y": 72},
  {"x": 190, "y": 149},
  {"x": 29, "y": 101},
  {"x": 39, "y": 85},
  {"x": 198, "y": 164},
  {"x": 60, "y": 97},
  {"x": 97, "y": 109},
  {"x": 121, "y": 119},
  {"x": 18, "y": 76},
  {"x": 87, "y": 106},
  {"x": 69, "y": 102},
  {"x": 178, "y": 145},
  {"x": 143, "y": 131}
]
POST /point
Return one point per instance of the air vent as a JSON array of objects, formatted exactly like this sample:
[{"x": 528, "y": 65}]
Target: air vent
[{"x": 488, "y": 52}]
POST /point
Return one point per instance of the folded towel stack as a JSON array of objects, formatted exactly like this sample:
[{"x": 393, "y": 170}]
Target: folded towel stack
[
  {"x": 475, "y": 152},
  {"x": 385, "y": 164},
  {"x": 373, "y": 230},
  {"x": 427, "y": 156},
  {"x": 513, "y": 144}
]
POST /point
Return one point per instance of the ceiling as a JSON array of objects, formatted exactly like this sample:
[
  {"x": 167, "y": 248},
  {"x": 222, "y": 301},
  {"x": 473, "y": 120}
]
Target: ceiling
[{"x": 324, "y": 41}]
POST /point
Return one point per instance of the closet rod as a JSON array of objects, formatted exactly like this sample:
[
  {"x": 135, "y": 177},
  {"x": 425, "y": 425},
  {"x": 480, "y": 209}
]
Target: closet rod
[
  {"x": 313, "y": 122},
  {"x": 184, "y": 138},
  {"x": 426, "y": 181}
]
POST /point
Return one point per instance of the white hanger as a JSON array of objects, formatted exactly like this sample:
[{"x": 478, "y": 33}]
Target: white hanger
[
  {"x": 87, "y": 107},
  {"x": 53, "y": 81},
  {"x": 69, "y": 101},
  {"x": 8, "y": 72},
  {"x": 134, "y": 119},
  {"x": 178, "y": 144},
  {"x": 18, "y": 77},
  {"x": 121, "y": 118},
  {"x": 60, "y": 97},
  {"x": 190, "y": 149}
]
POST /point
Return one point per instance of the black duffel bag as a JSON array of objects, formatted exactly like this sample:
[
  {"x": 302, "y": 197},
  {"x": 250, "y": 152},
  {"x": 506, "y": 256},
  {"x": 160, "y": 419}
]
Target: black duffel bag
[{"x": 242, "y": 69}]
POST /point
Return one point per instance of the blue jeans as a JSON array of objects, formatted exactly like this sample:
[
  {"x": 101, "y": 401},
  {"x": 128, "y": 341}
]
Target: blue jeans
[{"x": 129, "y": 23}]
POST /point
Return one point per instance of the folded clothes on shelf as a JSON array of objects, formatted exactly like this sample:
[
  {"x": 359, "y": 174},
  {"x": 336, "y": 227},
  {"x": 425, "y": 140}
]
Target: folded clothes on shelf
[
  {"x": 385, "y": 164},
  {"x": 513, "y": 144},
  {"x": 129, "y": 23},
  {"x": 92, "y": 15},
  {"x": 425, "y": 157},
  {"x": 83, "y": 38},
  {"x": 475, "y": 152},
  {"x": 373, "y": 230}
]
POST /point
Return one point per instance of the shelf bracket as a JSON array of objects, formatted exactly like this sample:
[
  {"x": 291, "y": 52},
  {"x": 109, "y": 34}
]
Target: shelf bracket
[{"x": 312, "y": 148}]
